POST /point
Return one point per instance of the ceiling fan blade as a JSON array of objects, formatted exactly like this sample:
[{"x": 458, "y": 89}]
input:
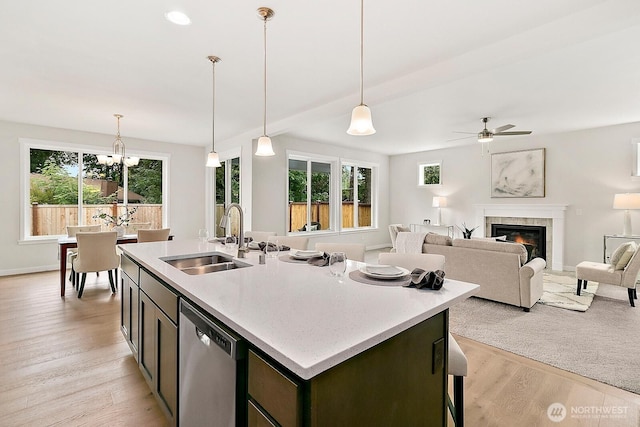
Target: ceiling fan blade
[
  {"x": 458, "y": 139},
  {"x": 519, "y": 132},
  {"x": 502, "y": 128},
  {"x": 470, "y": 133}
]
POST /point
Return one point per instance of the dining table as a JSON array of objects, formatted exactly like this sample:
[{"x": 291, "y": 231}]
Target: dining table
[{"x": 65, "y": 243}]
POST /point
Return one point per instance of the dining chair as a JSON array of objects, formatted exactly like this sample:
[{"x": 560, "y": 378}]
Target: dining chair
[
  {"x": 427, "y": 262},
  {"x": 96, "y": 252},
  {"x": 153, "y": 235},
  {"x": 71, "y": 232},
  {"x": 259, "y": 236},
  {"x": 456, "y": 360},
  {"x": 294, "y": 242},
  {"x": 354, "y": 251},
  {"x": 133, "y": 227}
]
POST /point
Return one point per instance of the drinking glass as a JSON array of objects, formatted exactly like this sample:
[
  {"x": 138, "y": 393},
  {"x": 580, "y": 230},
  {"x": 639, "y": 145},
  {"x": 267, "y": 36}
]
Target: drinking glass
[
  {"x": 337, "y": 263},
  {"x": 273, "y": 247},
  {"x": 203, "y": 235},
  {"x": 231, "y": 245}
]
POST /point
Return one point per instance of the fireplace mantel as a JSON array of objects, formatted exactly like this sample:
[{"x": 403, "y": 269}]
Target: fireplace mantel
[{"x": 555, "y": 212}]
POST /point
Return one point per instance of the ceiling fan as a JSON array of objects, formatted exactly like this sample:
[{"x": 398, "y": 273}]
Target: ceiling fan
[{"x": 486, "y": 135}]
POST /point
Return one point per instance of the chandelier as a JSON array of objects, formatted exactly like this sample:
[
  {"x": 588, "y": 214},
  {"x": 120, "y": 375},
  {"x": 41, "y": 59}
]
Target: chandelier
[{"x": 118, "y": 155}]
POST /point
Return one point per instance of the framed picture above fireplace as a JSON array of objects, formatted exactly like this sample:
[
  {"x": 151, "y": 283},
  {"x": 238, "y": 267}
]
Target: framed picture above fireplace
[{"x": 518, "y": 174}]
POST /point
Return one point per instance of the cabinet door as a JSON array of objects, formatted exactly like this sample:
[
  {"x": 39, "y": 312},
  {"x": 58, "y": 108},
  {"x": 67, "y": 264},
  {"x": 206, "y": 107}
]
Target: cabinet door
[
  {"x": 147, "y": 342},
  {"x": 167, "y": 363},
  {"x": 129, "y": 313}
]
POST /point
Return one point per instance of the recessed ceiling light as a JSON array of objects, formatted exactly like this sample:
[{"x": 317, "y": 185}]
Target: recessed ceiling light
[{"x": 177, "y": 17}]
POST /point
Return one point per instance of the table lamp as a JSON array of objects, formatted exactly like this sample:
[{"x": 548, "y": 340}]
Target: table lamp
[
  {"x": 626, "y": 201},
  {"x": 439, "y": 202}
]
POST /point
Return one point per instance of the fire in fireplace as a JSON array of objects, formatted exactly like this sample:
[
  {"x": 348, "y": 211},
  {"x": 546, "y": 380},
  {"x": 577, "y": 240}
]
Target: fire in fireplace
[{"x": 533, "y": 237}]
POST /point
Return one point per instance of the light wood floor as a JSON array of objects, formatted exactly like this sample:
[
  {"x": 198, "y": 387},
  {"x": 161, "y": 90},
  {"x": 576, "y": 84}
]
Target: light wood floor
[{"x": 64, "y": 362}]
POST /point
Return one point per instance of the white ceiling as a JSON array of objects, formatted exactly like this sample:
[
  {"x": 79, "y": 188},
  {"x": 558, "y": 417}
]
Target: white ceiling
[{"x": 431, "y": 68}]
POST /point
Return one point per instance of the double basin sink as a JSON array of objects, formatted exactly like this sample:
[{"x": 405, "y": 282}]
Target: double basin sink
[{"x": 204, "y": 263}]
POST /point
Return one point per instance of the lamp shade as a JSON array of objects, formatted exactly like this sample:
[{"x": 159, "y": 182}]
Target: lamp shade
[
  {"x": 439, "y": 202},
  {"x": 213, "y": 160},
  {"x": 264, "y": 147},
  {"x": 626, "y": 201},
  {"x": 361, "y": 123}
]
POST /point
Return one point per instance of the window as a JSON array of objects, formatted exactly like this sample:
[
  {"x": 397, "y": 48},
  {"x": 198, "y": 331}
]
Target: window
[
  {"x": 310, "y": 195},
  {"x": 635, "y": 146},
  {"x": 228, "y": 191},
  {"x": 328, "y": 195},
  {"x": 65, "y": 185},
  {"x": 357, "y": 191},
  {"x": 429, "y": 174}
]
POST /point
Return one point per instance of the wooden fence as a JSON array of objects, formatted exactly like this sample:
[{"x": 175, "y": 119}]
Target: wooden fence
[
  {"x": 51, "y": 220},
  {"x": 320, "y": 214}
]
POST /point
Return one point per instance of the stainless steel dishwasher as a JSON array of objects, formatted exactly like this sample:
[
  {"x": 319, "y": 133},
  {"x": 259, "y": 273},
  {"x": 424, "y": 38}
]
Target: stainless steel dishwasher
[{"x": 212, "y": 373}]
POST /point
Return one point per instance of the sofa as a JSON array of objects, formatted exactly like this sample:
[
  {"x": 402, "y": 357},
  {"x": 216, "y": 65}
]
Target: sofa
[{"x": 500, "y": 268}]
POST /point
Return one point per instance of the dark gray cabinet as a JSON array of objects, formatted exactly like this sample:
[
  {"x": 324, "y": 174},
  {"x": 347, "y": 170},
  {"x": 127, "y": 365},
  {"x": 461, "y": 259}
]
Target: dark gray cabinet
[
  {"x": 401, "y": 381},
  {"x": 129, "y": 321},
  {"x": 158, "y": 344}
]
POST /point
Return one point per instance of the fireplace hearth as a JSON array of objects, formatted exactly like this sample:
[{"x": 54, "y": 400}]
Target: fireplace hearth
[{"x": 533, "y": 237}]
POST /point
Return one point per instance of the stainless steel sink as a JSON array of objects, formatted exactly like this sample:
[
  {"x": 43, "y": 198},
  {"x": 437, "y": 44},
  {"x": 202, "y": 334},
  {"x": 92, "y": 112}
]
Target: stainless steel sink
[{"x": 204, "y": 263}]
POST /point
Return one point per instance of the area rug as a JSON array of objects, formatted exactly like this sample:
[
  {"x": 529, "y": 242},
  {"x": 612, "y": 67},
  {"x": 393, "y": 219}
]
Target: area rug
[
  {"x": 602, "y": 343},
  {"x": 560, "y": 291}
]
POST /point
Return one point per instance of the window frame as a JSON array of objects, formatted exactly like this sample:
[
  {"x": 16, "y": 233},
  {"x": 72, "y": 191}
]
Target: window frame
[
  {"x": 635, "y": 159},
  {"x": 421, "y": 169},
  {"x": 26, "y": 144},
  {"x": 374, "y": 194},
  {"x": 333, "y": 193},
  {"x": 335, "y": 197}
]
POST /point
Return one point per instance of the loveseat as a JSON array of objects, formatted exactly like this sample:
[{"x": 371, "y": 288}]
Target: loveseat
[{"x": 500, "y": 268}]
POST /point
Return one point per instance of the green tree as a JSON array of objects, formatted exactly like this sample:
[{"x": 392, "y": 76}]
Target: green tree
[
  {"x": 145, "y": 179},
  {"x": 56, "y": 187}
]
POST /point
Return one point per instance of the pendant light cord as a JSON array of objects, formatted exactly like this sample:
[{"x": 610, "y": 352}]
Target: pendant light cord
[
  {"x": 264, "y": 122},
  {"x": 361, "y": 52},
  {"x": 213, "y": 109}
]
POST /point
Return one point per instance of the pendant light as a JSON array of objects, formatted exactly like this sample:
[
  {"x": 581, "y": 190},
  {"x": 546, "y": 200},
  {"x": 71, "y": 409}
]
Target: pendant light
[
  {"x": 264, "y": 142},
  {"x": 213, "y": 160},
  {"x": 361, "y": 123},
  {"x": 119, "y": 155}
]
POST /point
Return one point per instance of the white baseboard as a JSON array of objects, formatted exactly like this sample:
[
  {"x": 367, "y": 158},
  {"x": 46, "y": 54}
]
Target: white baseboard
[{"x": 28, "y": 270}]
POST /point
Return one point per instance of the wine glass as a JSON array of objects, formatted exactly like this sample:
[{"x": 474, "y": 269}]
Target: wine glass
[
  {"x": 272, "y": 249},
  {"x": 337, "y": 263},
  {"x": 203, "y": 235}
]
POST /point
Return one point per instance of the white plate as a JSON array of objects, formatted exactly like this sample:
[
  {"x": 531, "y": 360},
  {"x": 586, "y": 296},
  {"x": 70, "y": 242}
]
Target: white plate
[
  {"x": 300, "y": 254},
  {"x": 254, "y": 245},
  {"x": 384, "y": 271}
]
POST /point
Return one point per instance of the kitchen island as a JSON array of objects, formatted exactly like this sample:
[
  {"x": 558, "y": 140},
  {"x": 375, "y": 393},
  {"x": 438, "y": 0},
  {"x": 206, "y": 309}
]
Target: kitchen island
[{"x": 349, "y": 345}]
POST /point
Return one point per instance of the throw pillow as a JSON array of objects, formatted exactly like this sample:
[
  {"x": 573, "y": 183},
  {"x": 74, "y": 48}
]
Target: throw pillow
[
  {"x": 622, "y": 255},
  {"x": 437, "y": 239}
]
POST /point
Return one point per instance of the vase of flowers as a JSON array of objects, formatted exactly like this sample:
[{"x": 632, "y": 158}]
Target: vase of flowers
[{"x": 117, "y": 223}]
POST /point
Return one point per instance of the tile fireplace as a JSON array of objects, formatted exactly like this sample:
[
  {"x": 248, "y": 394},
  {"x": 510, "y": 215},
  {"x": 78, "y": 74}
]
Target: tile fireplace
[{"x": 549, "y": 216}]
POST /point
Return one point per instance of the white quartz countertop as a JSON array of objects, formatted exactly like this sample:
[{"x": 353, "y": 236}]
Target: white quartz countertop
[{"x": 300, "y": 315}]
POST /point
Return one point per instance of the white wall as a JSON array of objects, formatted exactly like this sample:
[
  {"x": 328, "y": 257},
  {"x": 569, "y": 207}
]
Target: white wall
[
  {"x": 584, "y": 170},
  {"x": 186, "y": 191},
  {"x": 269, "y": 198}
]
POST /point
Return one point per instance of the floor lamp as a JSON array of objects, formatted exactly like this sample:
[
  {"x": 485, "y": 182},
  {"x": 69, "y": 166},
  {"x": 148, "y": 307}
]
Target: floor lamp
[{"x": 626, "y": 201}]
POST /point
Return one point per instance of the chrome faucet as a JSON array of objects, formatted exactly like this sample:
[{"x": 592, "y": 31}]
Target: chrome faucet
[{"x": 242, "y": 248}]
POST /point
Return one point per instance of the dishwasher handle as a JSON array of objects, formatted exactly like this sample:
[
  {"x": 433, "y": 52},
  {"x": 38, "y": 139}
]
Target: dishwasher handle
[
  {"x": 209, "y": 332},
  {"x": 214, "y": 337}
]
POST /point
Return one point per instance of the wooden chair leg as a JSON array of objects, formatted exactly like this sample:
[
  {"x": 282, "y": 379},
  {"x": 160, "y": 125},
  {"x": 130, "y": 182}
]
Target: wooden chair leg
[
  {"x": 631, "y": 294},
  {"x": 635, "y": 293},
  {"x": 113, "y": 288},
  {"x": 81, "y": 289},
  {"x": 579, "y": 287}
]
